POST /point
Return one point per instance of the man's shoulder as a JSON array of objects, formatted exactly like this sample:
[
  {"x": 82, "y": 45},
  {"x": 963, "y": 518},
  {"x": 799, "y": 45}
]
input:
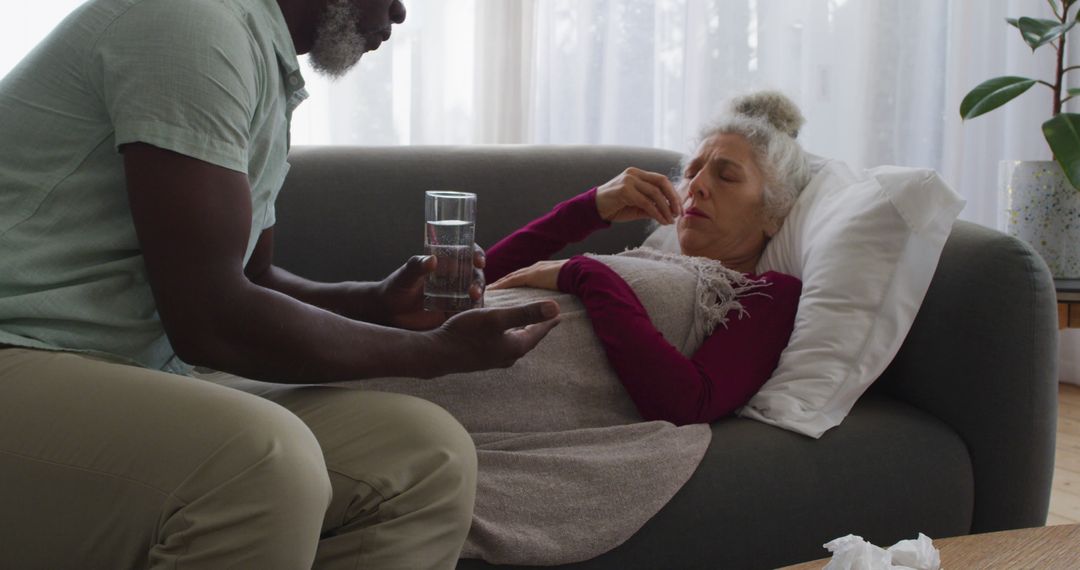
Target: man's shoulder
[
  {"x": 178, "y": 8},
  {"x": 200, "y": 20},
  {"x": 155, "y": 32}
]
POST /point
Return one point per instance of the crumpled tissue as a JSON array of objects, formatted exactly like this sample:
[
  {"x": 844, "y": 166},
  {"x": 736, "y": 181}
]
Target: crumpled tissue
[{"x": 853, "y": 553}]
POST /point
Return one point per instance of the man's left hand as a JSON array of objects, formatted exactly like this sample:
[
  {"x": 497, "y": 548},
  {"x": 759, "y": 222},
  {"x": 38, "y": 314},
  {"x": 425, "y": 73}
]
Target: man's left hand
[{"x": 402, "y": 293}]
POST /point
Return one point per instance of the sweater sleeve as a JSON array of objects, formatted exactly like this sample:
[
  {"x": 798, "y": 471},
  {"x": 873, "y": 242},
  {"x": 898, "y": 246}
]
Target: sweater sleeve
[
  {"x": 721, "y": 376},
  {"x": 569, "y": 222}
]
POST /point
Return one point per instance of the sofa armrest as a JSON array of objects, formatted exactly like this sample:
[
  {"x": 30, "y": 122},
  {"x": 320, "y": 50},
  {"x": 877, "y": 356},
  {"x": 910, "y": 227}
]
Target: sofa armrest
[{"x": 982, "y": 357}]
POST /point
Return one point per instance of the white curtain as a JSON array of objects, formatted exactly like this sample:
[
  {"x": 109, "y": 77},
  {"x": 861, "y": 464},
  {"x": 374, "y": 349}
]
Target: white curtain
[
  {"x": 880, "y": 81},
  {"x": 25, "y": 24}
]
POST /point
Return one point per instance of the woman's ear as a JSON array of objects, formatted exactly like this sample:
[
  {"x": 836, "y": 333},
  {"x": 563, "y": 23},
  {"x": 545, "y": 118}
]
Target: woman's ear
[{"x": 771, "y": 227}]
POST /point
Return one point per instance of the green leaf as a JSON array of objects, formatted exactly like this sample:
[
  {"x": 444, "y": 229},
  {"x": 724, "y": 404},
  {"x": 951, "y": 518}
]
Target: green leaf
[
  {"x": 1073, "y": 91},
  {"x": 993, "y": 93},
  {"x": 1063, "y": 135},
  {"x": 1038, "y": 33},
  {"x": 1013, "y": 22}
]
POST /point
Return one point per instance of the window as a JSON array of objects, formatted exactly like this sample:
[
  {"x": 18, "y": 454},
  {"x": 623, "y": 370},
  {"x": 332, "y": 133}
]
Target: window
[{"x": 879, "y": 81}]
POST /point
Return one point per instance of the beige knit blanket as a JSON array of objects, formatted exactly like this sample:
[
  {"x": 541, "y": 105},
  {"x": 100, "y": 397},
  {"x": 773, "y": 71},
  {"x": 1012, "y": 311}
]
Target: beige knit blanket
[{"x": 567, "y": 468}]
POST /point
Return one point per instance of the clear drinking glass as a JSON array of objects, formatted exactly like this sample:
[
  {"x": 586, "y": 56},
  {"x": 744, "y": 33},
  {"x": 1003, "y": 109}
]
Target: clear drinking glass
[{"x": 449, "y": 235}]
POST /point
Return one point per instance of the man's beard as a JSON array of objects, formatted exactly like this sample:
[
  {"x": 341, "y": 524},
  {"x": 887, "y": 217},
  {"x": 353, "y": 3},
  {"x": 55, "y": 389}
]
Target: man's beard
[{"x": 338, "y": 42}]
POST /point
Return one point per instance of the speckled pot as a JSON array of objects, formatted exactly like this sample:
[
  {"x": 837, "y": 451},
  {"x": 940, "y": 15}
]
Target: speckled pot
[{"x": 1039, "y": 206}]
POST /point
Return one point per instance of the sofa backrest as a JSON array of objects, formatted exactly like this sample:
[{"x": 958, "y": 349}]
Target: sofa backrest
[{"x": 357, "y": 213}]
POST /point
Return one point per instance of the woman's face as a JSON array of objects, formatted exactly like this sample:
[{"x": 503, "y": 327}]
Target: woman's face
[{"x": 724, "y": 194}]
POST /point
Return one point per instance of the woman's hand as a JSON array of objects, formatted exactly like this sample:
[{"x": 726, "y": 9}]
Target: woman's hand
[
  {"x": 637, "y": 194},
  {"x": 542, "y": 275}
]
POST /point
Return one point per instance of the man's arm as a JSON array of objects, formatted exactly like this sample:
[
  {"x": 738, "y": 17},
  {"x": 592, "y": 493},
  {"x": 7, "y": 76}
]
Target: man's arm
[
  {"x": 354, "y": 300},
  {"x": 396, "y": 301},
  {"x": 193, "y": 220}
]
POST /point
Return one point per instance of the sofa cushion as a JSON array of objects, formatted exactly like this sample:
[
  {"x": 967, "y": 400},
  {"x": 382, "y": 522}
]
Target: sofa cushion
[{"x": 892, "y": 471}]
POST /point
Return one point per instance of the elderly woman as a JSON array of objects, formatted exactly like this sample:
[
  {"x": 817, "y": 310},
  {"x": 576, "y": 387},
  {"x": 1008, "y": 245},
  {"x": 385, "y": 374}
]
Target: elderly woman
[
  {"x": 568, "y": 469},
  {"x": 731, "y": 199}
]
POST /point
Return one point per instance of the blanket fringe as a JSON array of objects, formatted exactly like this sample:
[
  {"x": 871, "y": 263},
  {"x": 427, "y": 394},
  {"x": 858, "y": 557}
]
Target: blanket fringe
[{"x": 719, "y": 288}]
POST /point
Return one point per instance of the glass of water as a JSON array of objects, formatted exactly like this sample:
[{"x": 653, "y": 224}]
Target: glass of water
[{"x": 449, "y": 235}]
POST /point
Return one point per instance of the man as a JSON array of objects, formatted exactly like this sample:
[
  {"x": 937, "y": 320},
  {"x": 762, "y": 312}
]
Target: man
[{"x": 141, "y": 147}]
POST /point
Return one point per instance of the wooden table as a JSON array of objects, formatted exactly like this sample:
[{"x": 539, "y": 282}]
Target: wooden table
[
  {"x": 1068, "y": 298},
  {"x": 1045, "y": 548}
]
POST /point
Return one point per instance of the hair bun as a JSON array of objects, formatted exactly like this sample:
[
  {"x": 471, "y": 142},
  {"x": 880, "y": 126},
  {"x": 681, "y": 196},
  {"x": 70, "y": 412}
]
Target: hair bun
[{"x": 773, "y": 106}]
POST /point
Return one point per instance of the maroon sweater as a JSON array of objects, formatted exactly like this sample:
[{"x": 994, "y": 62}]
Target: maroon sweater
[{"x": 728, "y": 368}]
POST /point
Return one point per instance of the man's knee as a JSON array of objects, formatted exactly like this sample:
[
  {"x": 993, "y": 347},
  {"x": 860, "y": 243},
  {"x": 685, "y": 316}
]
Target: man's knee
[
  {"x": 292, "y": 460},
  {"x": 405, "y": 475},
  {"x": 258, "y": 497},
  {"x": 432, "y": 427},
  {"x": 269, "y": 455},
  {"x": 440, "y": 449}
]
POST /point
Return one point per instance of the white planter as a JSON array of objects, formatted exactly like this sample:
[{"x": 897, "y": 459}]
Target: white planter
[{"x": 1039, "y": 206}]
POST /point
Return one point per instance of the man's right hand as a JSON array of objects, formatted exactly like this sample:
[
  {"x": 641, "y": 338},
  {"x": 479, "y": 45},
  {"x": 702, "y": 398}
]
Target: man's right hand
[{"x": 491, "y": 338}]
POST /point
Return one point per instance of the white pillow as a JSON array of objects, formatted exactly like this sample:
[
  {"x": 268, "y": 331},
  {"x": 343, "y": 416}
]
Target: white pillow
[{"x": 865, "y": 246}]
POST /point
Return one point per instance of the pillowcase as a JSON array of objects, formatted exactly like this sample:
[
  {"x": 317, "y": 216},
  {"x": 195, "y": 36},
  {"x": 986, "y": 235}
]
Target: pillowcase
[{"x": 865, "y": 245}]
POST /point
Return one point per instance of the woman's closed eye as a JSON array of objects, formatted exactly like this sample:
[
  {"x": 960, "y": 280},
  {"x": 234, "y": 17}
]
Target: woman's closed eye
[{"x": 729, "y": 172}]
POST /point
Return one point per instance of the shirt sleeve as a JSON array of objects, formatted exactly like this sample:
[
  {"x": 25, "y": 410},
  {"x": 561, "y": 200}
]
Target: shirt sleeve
[
  {"x": 722, "y": 375},
  {"x": 182, "y": 76},
  {"x": 569, "y": 222}
]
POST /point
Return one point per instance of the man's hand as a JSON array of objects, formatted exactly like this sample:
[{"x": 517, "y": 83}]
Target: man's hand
[
  {"x": 402, "y": 293},
  {"x": 542, "y": 275},
  {"x": 637, "y": 194},
  {"x": 492, "y": 338}
]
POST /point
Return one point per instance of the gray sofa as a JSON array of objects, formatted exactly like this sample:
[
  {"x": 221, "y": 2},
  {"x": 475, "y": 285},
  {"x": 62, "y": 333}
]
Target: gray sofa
[{"x": 956, "y": 437}]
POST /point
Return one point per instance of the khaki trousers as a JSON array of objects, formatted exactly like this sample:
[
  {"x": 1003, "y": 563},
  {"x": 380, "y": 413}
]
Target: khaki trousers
[{"x": 109, "y": 466}]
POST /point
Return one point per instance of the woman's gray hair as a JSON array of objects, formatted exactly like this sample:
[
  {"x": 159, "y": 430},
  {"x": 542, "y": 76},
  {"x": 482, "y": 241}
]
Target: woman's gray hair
[{"x": 770, "y": 122}]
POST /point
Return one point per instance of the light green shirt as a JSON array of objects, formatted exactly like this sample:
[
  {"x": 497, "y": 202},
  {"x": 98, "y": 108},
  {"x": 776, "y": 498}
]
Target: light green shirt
[{"x": 216, "y": 80}]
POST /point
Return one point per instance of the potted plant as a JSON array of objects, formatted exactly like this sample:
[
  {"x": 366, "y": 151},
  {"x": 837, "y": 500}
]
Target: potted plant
[{"x": 1041, "y": 198}]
